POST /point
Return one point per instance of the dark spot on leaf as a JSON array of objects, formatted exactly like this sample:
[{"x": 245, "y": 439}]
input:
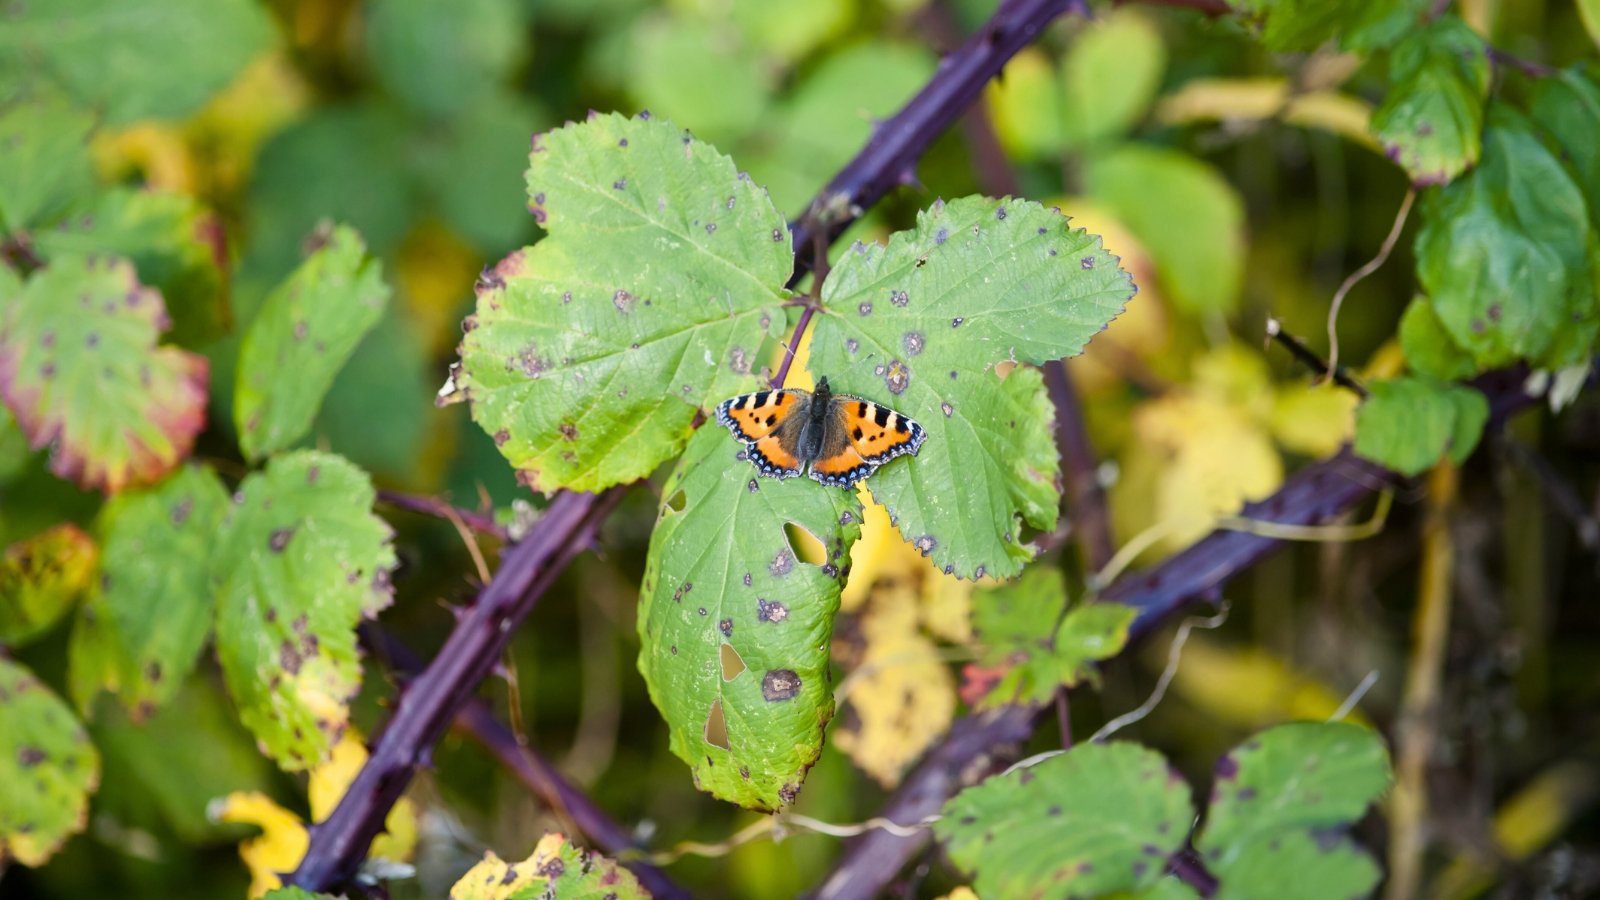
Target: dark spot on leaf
[
  {"x": 739, "y": 361},
  {"x": 301, "y": 329},
  {"x": 1248, "y": 793},
  {"x": 711, "y": 228},
  {"x": 956, "y": 322},
  {"x": 852, "y": 345},
  {"x": 770, "y": 611},
  {"x": 753, "y": 486},
  {"x": 788, "y": 792},
  {"x": 152, "y": 671},
  {"x": 1138, "y": 870},
  {"x": 312, "y": 474},
  {"x": 501, "y": 436},
  {"x": 942, "y": 235},
  {"x": 568, "y": 431},
  {"x": 925, "y": 544},
  {"x": 622, "y": 143},
  {"x": 947, "y": 409},
  {"x": 28, "y": 757},
  {"x": 782, "y": 564},
  {"x": 620, "y": 184},
  {"x": 865, "y": 308},
  {"x": 289, "y": 657},
  {"x": 780, "y": 684},
  {"x": 899, "y": 298},
  {"x": 1227, "y": 768},
  {"x": 949, "y": 570},
  {"x": 1494, "y": 312},
  {"x": 726, "y": 627},
  {"x": 181, "y": 510},
  {"x": 978, "y": 573},
  {"x": 622, "y": 300},
  {"x": 280, "y": 539},
  {"x": 913, "y": 342},
  {"x": 1087, "y": 262},
  {"x": 895, "y": 379},
  {"x": 777, "y": 234},
  {"x": 1000, "y": 213},
  {"x": 702, "y": 610}
]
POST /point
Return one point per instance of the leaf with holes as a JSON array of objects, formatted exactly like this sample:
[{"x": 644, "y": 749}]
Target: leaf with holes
[
  {"x": 142, "y": 630},
  {"x": 115, "y": 409},
  {"x": 136, "y": 59},
  {"x": 1045, "y": 832},
  {"x": 47, "y": 764},
  {"x": 1306, "y": 776},
  {"x": 301, "y": 561},
  {"x": 653, "y": 297},
  {"x": 1505, "y": 252},
  {"x": 1408, "y": 424},
  {"x": 1030, "y": 649},
  {"x": 174, "y": 243},
  {"x": 921, "y": 324},
  {"x": 44, "y": 163},
  {"x": 303, "y": 335},
  {"x": 40, "y": 579},
  {"x": 556, "y": 870},
  {"x": 1431, "y": 119},
  {"x": 735, "y": 627}
]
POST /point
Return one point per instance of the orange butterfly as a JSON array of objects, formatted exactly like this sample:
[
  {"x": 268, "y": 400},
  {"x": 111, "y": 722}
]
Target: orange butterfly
[{"x": 840, "y": 438}]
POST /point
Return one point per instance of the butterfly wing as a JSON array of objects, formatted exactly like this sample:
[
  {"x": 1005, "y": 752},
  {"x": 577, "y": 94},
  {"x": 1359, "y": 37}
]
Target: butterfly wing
[
  {"x": 768, "y": 422},
  {"x": 861, "y": 437}
]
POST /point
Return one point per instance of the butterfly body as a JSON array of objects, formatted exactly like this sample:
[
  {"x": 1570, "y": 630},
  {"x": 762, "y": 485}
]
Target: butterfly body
[{"x": 837, "y": 439}]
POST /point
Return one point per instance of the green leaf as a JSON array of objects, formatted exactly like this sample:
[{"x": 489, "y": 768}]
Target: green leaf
[
  {"x": 787, "y": 30},
  {"x": 44, "y": 159},
  {"x": 1096, "y": 819},
  {"x": 1027, "y": 104},
  {"x": 471, "y": 168},
  {"x": 141, "y": 632},
  {"x": 1304, "y": 775},
  {"x": 1428, "y": 347},
  {"x": 734, "y": 627},
  {"x": 1184, "y": 213},
  {"x": 1407, "y": 424},
  {"x": 1110, "y": 75},
  {"x": 139, "y": 59},
  {"x": 342, "y": 164},
  {"x": 40, "y": 579},
  {"x": 438, "y": 56},
  {"x": 116, "y": 409},
  {"x": 1312, "y": 865},
  {"x": 1431, "y": 119},
  {"x": 1305, "y": 25},
  {"x": 174, "y": 243},
  {"x": 301, "y": 561},
  {"x": 592, "y": 351},
  {"x": 379, "y": 412},
  {"x": 47, "y": 764},
  {"x": 1567, "y": 105},
  {"x": 1017, "y": 625},
  {"x": 699, "y": 74},
  {"x": 1504, "y": 252},
  {"x": 920, "y": 324},
  {"x": 295, "y": 893},
  {"x": 1589, "y": 12},
  {"x": 304, "y": 333}
]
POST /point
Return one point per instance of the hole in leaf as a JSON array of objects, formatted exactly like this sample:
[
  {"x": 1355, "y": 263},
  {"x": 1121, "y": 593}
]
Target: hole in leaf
[
  {"x": 677, "y": 501},
  {"x": 732, "y": 663},
  {"x": 806, "y": 546},
  {"x": 716, "y": 725}
]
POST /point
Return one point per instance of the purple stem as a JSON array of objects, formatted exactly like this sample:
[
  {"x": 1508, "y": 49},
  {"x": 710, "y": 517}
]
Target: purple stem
[
  {"x": 788, "y": 355},
  {"x": 433, "y": 506},
  {"x": 890, "y": 156},
  {"x": 532, "y": 769},
  {"x": 425, "y": 708},
  {"x": 1312, "y": 496}
]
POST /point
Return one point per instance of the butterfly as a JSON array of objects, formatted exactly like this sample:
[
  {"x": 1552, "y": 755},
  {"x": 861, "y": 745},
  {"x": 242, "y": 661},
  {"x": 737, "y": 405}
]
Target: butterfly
[{"x": 841, "y": 439}]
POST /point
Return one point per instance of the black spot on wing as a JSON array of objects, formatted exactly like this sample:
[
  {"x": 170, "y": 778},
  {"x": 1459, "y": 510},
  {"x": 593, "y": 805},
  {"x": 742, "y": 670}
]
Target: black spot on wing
[
  {"x": 881, "y": 417},
  {"x": 760, "y": 398}
]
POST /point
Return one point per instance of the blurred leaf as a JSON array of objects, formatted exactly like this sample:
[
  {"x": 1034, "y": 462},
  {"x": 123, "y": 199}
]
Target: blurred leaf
[
  {"x": 174, "y": 243},
  {"x": 1430, "y": 350},
  {"x": 902, "y": 696},
  {"x": 1407, "y": 424},
  {"x": 918, "y": 324},
  {"x": 1026, "y": 653},
  {"x": 831, "y": 114},
  {"x": 1238, "y": 100},
  {"x": 1250, "y": 687},
  {"x": 116, "y": 409},
  {"x": 44, "y": 163},
  {"x": 13, "y": 447},
  {"x": 379, "y": 413},
  {"x": 306, "y": 330},
  {"x": 1028, "y": 107},
  {"x": 439, "y": 56},
  {"x": 47, "y": 764},
  {"x": 1110, "y": 75},
  {"x": 1539, "y": 813},
  {"x": 1567, "y": 105},
  {"x": 788, "y": 31},
  {"x": 593, "y": 350},
  {"x": 698, "y": 74},
  {"x": 40, "y": 579},
  {"x": 1304, "y": 25},
  {"x": 556, "y": 870},
  {"x": 1589, "y": 12},
  {"x": 1299, "y": 864},
  {"x": 1314, "y": 420},
  {"x": 138, "y": 59},
  {"x": 302, "y": 560},
  {"x": 294, "y": 893},
  {"x": 472, "y": 171},
  {"x": 1188, "y": 217},
  {"x": 1044, "y": 832},
  {"x": 1504, "y": 252},
  {"x": 142, "y": 630},
  {"x": 344, "y": 163},
  {"x": 734, "y": 628},
  {"x": 1280, "y": 801},
  {"x": 1432, "y": 116}
]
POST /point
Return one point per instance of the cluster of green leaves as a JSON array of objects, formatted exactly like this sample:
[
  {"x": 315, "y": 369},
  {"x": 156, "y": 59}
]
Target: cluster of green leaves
[
  {"x": 588, "y": 363},
  {"x": 280, "y": 575},
  {"x": 1274, "y": 826}
]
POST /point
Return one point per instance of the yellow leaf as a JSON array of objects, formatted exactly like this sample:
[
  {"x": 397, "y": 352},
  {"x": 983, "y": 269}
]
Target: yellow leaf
[
  {"x": 900, "y": 696},
  {"x": 1314, "y": 420},
  {"x": 430, "y": 267},
  {"x": 960, "y": 893},
  {"x": 1250, "y": 688},
  {"x": 1027, "y": 106},
  {"x": 155, "y": 151},
  {"x": 283, "y": 838},
  {"x": 278, "y": 848},
  {"x": 564, "y": 870},
  {"x": 488, "y": 879}
]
